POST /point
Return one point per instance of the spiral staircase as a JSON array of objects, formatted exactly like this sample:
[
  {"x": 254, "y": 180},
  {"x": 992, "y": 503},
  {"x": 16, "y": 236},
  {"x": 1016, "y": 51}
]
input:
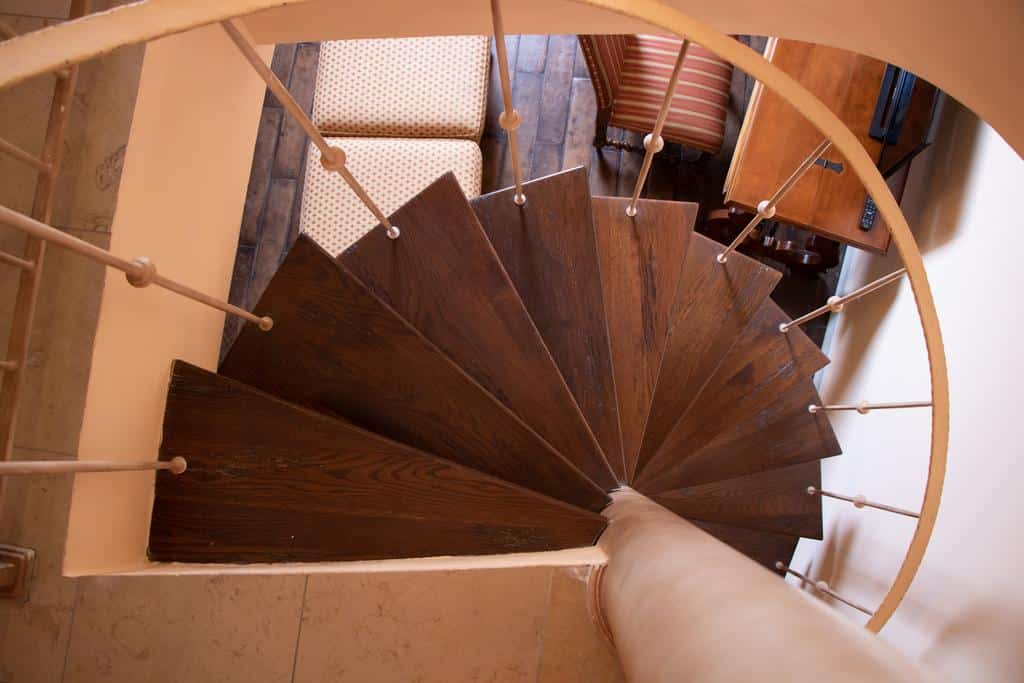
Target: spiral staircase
[
  {"x": 480, "y": 385},
  {"x": 497, "y": 375}
]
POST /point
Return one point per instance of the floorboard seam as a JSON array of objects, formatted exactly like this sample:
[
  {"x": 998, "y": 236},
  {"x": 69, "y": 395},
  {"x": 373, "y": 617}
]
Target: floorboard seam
[
  {"x": 71, "y": 632},
  {"x": 298, "y": 633}
]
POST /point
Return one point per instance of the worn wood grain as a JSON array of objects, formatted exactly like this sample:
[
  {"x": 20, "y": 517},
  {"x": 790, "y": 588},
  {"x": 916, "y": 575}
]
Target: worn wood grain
[
  {"x": 545, "y": 160},
  {"x": 579, "y": 135},
  {"x": 549, "y": 249},
  {"x": 763, "y": 377},
  {"x": 713, "y": 304},
  {"x": 291, "y": 147},
  {"x": 762, "y": 547},
  {"x": 268, "y": 481},
  {"x": 338, "y": 349},
  {"x": 781, "y": 434},
  {"x": 259, "y": 176},
  {"x": 775, "y": 501},
  {"x": 604, "y": 171},
  {"x": 554, "y": 105},
  {"x": 533, "y": 52},
  {"x": 241, "y": 275},
  {"x": 274, "y": 233},
  {"x": 526, "y": 100},
  {"x": 641, "y": 262},
  {"x": 281, "y": 65},
  {"x": 444, "y": 277}
]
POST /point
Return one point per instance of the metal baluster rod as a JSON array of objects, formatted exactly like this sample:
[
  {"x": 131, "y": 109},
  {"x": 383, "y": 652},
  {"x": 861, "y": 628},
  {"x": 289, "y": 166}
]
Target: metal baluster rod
[
  {"x": 510, "y": 118},
  {"x": 21, "y": 155},
  {"x": 864, "y": 407},
  {"x": 331, "y": 158},
  {"x": 860, "y": 501},
  {"x": 139, "y": 272},
  {"x": 12, "y": 260},
  {"x": 14, "y": 467},
  {"x": 835, "y": 303},
  {"x": 653, "y": 142},
  {"x": 766, "y": 209},
  {"x": 822, "y": 587}
]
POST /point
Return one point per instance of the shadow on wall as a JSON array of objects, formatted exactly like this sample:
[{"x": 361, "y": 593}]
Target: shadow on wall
[
  {"x": 932, "y": 205},
  {"x": 833, "y": 556},
  {"x": 933, "y": 201},
  {"x": 872, "y": 311},
  {"x": 993, "y": 634}
]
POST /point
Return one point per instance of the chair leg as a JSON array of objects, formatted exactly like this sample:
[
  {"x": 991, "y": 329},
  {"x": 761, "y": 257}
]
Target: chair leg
[{"x": 601, "y": 128}]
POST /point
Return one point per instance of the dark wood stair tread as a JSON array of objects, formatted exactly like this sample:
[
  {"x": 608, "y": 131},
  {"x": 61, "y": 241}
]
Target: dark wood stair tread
[
  {"x": 641, "y": 263},
  {"x": 549, "y": 250},
  {"x": 268, "y": 481},
  {"x": 764, "y": 377},
  {"x": 338, "y": 349},
  {"x": 764, "y": 547},
  {"x": 713, "y": 304},
  {"x": 782, "y": 434},
  {"x": 443, "y": 276},
  {"x": 774, "y": 500}
]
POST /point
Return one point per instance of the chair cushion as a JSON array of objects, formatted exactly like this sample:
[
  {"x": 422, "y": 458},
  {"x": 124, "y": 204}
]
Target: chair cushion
[
  {"x": 697, "y": 114},
  {"x": 403, "y": 87},
  {"x": 392, "y": 170}
]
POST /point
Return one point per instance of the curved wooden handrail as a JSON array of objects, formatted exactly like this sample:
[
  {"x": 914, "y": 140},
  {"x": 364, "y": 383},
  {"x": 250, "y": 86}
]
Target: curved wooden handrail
[
  {"x": 75, "y": 41},
  {"x": 71, "y": 42},
  {"x": 864, "y": 167}
]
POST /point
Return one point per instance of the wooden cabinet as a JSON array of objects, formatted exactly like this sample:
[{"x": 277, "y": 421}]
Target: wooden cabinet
[{"x": 775, "y": 138}]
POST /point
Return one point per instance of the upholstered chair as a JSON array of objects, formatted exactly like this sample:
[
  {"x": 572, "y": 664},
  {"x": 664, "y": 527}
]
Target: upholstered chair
[{"x": 630, "y": 74}]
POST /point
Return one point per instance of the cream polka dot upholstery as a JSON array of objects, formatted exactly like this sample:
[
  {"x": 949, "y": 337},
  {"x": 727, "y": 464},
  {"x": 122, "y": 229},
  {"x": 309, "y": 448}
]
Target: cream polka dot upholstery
[
  {"x": 432, "y": 87},
  {"x": 392, "y": 170}
]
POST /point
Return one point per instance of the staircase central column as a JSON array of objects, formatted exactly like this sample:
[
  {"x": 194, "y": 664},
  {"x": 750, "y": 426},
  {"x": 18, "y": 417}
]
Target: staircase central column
[{"x": 681, "y": 605}]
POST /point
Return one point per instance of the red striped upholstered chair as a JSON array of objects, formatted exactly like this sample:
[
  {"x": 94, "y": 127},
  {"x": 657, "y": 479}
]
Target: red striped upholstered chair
[{"x": 630, "y": 73}]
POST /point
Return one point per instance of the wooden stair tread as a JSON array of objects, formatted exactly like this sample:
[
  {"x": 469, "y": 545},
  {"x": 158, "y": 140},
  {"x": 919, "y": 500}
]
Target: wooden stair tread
[
  {"x": 641, "y": 262},
  {"x": 782, "y": 434},
  {"x": 763, "y": 377},
  {"x": 774, "y": 500},
  {"x": 549, "y": 250},
  {"x": 268, "y": 481},
  {"x": 764, "y": 547},
  {"x": 443, "y": 276},
  {"x": 338, "y": 349},
  {"x": 713, "y": 304}
]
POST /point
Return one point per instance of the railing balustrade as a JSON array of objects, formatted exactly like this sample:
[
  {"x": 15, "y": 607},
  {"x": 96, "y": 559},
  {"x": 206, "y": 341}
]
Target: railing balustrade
[
  {"x": 510, "y": 118},
  {"x": 766, "y": 209},
  {"x": 12, "y": 150},
  {"x": 16, "y": 261},
  {"x": 175, "y": 465},
  {"x": 860, "y": 501},
  {"x": 864, "y": 407},
  {"x": 835, "y": 304},
  {"x": 823, "y": 587},
  {"x": 331, "y": 158},
  {"x": 139, "y": 272},
  {"x": 653, "y": 142}
]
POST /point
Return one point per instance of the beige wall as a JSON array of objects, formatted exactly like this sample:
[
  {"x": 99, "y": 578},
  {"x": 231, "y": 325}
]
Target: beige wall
[
  {"x": 964, "y": 614},
  {"x": 186, "y": 169}
]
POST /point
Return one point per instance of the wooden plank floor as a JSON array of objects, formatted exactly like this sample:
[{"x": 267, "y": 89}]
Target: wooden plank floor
[{"x": 552, "y": 91}]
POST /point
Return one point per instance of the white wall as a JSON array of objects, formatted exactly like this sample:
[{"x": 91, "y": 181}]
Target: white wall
[{"x": 964, "y": 615}]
